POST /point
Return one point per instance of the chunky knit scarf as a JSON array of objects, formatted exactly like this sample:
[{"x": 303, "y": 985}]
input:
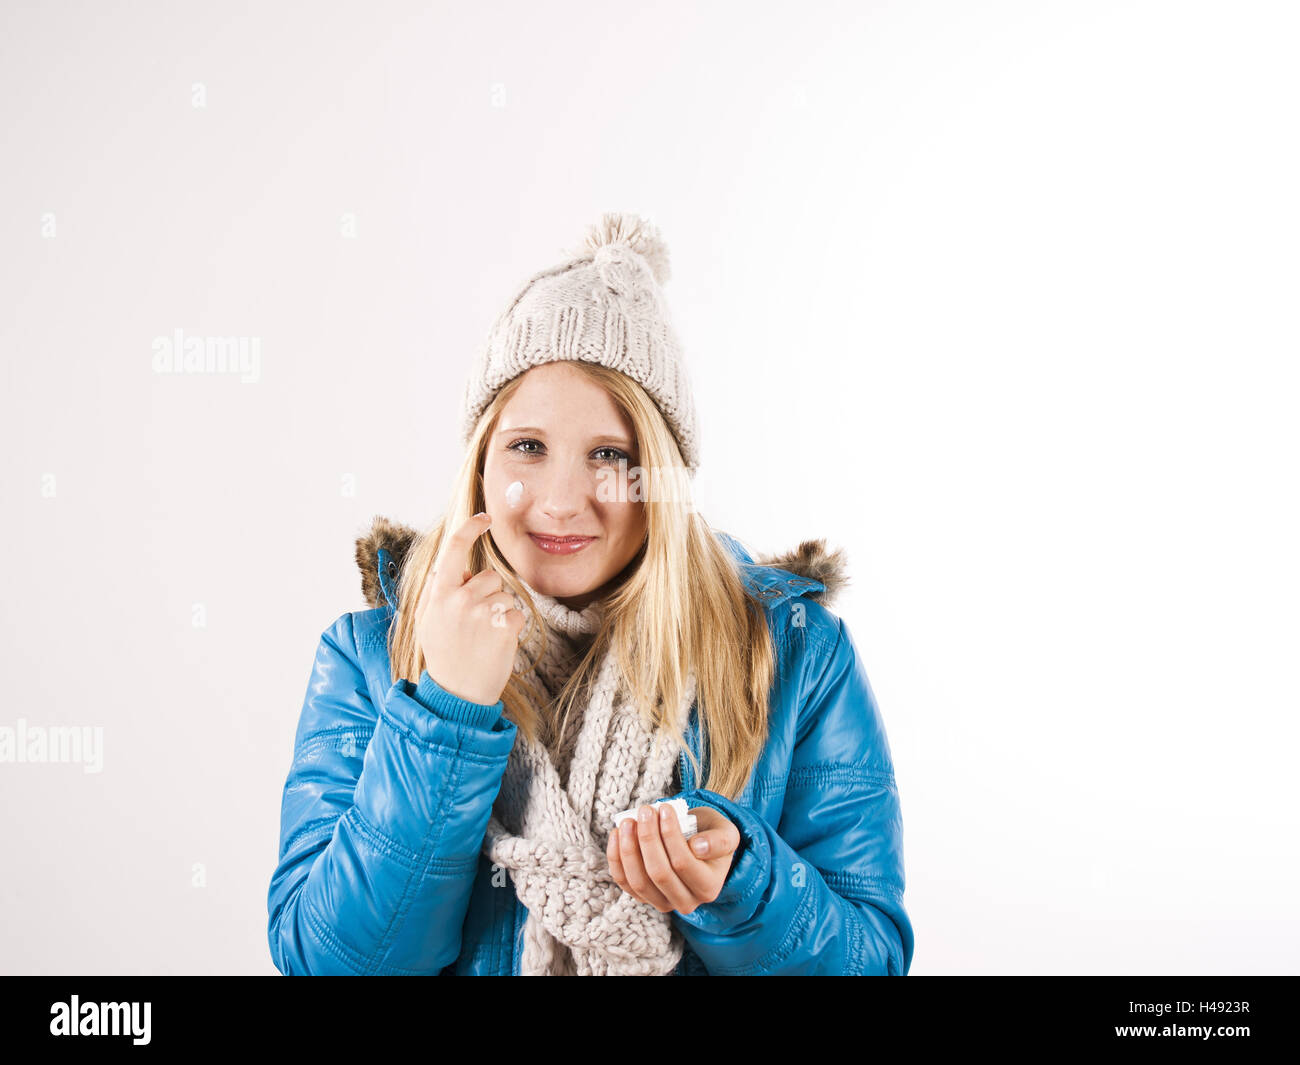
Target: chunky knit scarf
[{"x": 554, "y": 812}]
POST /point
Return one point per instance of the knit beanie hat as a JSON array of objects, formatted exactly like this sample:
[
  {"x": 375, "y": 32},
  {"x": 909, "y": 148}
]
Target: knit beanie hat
[{"x": 604, "y": 305}]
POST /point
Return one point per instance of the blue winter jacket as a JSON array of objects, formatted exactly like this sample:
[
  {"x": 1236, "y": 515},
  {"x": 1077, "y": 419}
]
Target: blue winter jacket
[{"x": 391, "y": 786}]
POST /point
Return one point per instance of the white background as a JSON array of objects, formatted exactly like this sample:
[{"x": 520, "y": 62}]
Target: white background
[{"x": 998, "y": 297}]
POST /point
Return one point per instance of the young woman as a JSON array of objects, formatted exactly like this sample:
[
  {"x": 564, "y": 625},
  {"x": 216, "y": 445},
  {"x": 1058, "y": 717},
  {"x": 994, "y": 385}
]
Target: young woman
[{"x": 570, "y": 642}]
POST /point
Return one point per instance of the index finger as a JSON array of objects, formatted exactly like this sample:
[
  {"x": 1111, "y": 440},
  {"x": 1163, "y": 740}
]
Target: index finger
[{"x": 453, "y": 559}]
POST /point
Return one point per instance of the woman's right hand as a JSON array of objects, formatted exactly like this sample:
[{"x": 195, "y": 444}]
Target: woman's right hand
[{"x": 468, "y": 627}]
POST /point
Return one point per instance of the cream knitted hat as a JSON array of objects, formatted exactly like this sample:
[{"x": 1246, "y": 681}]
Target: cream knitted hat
[{"x": 604, "y": 304}]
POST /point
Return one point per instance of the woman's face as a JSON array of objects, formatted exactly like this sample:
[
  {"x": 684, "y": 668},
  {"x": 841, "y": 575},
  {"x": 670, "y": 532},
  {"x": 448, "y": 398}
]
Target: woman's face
[{"x": 561, "y": 437}]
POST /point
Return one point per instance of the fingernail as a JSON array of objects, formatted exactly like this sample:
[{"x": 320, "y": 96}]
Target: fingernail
[
  {"x": 627, "y": 828},
  {"x": 700, "y": 846},
  {"x": 665, "y": 815},
  {"x": 645, "y": 813}
]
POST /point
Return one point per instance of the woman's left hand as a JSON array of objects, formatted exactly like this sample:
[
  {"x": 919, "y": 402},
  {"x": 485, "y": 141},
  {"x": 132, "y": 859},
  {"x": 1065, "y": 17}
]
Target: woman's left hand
[{"x": 652, "y": 861}]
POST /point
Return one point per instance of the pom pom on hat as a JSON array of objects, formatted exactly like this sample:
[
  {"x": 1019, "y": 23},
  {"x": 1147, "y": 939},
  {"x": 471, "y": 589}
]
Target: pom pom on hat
[{"x": 634, "y": 232}]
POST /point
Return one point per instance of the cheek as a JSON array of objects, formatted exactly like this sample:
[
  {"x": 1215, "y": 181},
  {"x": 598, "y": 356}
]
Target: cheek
[
  {"x": 626, "y": 521},
  {"x": 496, "y": 476}
]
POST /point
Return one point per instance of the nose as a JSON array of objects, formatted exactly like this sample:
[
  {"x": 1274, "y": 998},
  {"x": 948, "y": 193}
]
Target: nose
[{"x": 563, "y": 492}]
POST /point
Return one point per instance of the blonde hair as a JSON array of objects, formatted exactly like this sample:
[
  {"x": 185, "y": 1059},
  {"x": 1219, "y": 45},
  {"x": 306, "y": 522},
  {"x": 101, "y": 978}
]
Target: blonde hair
[{"x": 680, "y": 603}]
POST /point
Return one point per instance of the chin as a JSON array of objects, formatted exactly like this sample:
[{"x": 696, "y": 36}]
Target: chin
[{"x": 563, "y": 588}]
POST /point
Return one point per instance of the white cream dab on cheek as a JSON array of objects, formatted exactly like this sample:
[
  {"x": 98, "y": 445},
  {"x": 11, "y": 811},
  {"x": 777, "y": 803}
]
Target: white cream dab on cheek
[{"x": 514, "y": 493}]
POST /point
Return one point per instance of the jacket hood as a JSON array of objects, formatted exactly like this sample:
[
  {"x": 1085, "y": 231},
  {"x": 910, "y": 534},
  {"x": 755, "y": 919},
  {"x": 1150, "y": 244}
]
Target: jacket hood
[{"x": 811, "y": 569}]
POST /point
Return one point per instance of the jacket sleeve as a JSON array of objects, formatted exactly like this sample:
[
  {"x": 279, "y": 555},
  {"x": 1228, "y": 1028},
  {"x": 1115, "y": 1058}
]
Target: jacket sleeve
[
  {"x": 821, "y": 893},
  {"x": 383, "y": 814}
]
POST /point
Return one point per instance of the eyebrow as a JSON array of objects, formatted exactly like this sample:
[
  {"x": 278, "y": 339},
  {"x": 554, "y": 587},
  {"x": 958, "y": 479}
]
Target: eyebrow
[{"x": 616, "y": 439}]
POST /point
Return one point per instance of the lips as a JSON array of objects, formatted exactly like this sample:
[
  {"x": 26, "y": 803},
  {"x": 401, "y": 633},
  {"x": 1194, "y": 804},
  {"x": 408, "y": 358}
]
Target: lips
[{"x": 560, "y": 545}]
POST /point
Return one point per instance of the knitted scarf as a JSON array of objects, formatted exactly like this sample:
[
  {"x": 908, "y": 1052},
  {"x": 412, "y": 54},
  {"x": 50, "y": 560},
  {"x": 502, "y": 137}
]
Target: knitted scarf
[{"x": 554, "y": 812}]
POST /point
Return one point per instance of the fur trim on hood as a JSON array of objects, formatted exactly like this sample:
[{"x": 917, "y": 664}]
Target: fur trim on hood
[{"x": 811, "y": 560}]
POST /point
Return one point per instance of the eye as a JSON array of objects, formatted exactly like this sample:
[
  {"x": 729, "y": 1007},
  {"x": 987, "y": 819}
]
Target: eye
[{"x": 608, "y": 456}]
